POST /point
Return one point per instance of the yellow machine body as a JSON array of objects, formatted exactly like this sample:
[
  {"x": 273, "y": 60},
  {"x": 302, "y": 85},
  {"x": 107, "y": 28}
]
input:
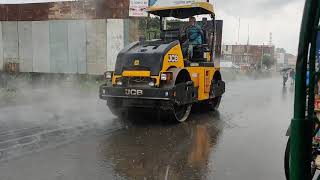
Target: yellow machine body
[{"x": 200, "y": 75}]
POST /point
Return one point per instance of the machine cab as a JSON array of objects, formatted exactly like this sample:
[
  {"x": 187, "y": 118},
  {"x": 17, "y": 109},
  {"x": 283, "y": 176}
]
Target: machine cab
[{"x": 174, "y": 26}]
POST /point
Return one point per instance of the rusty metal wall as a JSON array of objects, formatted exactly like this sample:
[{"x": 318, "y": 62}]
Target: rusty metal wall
[
  {"x": 96, "y": 32},
  {"x": 77, "y": 48},
  {"x": 40, "y": 42},
  {"x": 58, "y": 44},
  {"x": 10, "y": 42},
  {"x": 25, "y": 46},
  {"x": 65, "y": 46},
  {"x": 84, "y": 9},
  {"x": 131, "y": 30},
  {"x": 115, "y": 35},
  {"x": 101, "y": 42},
  {"x": 91, "y": 37}
]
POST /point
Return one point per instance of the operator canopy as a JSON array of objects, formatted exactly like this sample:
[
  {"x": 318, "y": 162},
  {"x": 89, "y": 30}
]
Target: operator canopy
[{"x": 181, "y": 11}]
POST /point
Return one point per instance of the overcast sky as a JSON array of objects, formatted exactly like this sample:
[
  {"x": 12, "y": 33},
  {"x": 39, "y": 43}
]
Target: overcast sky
[{"x": 281, "y": 17}]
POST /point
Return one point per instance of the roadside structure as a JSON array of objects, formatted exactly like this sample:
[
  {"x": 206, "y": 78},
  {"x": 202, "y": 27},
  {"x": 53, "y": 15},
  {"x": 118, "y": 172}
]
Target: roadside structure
[
  {"x": 246, "y": 55},
  {"x": 76, "y": 37}
]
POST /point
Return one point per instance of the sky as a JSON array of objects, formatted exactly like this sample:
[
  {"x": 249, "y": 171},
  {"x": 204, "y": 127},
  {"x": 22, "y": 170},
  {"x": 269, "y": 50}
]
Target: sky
[{"x": 280, "y": 17}]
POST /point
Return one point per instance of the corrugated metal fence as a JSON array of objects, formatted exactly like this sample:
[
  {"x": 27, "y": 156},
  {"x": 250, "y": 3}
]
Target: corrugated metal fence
[{"x": 64, "y": 46}]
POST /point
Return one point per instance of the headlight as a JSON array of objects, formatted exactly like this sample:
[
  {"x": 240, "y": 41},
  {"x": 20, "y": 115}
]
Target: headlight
[
  {"x": 108, "y": 75},
  {"x": 151, "y": 84},
  {"x": 119, "y": 83},
  {"x": 166, "y": 76},
  {"x": 163, "y": 77}
]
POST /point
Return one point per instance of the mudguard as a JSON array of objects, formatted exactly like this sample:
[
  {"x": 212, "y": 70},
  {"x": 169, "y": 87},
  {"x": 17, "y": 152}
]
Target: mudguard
[{"x": 175, "y": 72}]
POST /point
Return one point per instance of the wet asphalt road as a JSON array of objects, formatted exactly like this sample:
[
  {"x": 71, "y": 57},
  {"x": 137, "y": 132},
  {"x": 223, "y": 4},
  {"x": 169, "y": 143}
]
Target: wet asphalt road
[{"x": 245, "y": 140}]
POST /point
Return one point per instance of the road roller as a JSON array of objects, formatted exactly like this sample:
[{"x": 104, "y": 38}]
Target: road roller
[{"x": 170, "y": 74}]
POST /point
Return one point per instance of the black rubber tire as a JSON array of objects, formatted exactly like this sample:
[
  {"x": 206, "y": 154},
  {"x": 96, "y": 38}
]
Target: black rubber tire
[
  {"x": 180, "y": 113},
  {"x": 214, "y": 103},
  {"x": 119, "y": 112}
]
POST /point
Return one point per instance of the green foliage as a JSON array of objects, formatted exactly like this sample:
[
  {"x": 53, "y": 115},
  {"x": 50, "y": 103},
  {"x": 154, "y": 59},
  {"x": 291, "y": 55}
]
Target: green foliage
[
  {"x": 268, "y": 61},
  {"x": 150, "y": 27}
]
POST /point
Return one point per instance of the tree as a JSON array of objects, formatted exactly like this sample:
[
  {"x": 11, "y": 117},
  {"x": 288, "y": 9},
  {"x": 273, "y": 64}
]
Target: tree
[
  {"x": 150, "y": 26},
  {"x": 267, "y": 61}
]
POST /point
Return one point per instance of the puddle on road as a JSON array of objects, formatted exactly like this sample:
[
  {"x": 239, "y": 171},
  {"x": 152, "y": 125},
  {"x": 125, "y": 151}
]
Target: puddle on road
[
  {"x": 163, "y": 151},
  {"x": 208, "y": 146}
]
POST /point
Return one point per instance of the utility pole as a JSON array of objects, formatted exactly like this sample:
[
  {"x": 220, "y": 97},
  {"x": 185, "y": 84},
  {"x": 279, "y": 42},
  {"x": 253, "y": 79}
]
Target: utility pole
[
  {"x": 247, "y": 49},
  {"x": 270, "y": 38},
  {"x": 262, "y": 53},
  {"x": 239, "y": 32},
  {"x": 248, "y": 40}
]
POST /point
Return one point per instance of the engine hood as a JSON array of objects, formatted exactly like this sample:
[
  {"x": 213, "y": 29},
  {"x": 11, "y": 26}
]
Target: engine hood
[{"x": 147, "y": 56}]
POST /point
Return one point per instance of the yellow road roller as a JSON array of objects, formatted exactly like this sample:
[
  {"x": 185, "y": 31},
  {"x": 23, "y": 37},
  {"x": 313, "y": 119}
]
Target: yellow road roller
[{"x": 172, "y": 73}]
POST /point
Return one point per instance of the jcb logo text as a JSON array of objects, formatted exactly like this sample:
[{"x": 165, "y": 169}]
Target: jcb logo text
[{"x": 133, "y": 92}]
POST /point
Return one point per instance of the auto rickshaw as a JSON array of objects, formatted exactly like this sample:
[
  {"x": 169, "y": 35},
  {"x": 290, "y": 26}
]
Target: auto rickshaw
[{"x": 302, "y": 151}]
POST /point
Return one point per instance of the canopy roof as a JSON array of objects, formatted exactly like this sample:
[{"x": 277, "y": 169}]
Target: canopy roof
[{"x": 182, "y": 11}]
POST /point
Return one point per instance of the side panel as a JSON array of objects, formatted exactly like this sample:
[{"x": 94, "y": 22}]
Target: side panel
[
  {"x": 10, "y": 41},
  {"x": 40, "y": 40},
  {"x": 25, "y": 46},
  {"x": 126, "y": 31},
  {"x": 202, "y": 80},
  {"x": 59, "y": 47},
  {"x": 173, "y": 58},
  {"x": 1, "y": 48},
  {"x": 101, "y": 30},
  {"x": 77, "y": 46},
  {"x": 91, "y": 37},
  {"x": 115, "y": 41},
  {"x": 96, "y": 46}
]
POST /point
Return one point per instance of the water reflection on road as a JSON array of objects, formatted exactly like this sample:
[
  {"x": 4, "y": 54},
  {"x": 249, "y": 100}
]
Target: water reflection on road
[
  {"x": 163, "y": 151},
  {"x": 245, "y": 140}
]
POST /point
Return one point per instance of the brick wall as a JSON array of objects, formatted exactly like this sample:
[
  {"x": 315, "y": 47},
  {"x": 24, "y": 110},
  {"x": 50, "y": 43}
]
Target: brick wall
[{"x": 86, "y": 9}]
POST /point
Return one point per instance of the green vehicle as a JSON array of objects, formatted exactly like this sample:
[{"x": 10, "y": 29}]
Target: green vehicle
[{"x": 302, "y": 157}]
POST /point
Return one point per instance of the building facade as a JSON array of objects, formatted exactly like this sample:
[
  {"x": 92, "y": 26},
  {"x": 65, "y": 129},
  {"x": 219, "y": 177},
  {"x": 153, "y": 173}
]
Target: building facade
[
  {"x": 284, "y": 59},
  {"x": 246, "y": 54},
  {"x": 78, "y": 37},
  {"x": 292, "y": 60}
]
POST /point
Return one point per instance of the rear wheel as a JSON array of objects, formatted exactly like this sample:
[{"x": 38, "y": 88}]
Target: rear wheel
[
  {"x": 214, "y": 103},
  {"x": 181, "y": 113},
  {"x": 115, "y": 106},
  {"x": 116, "y": 111}
]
